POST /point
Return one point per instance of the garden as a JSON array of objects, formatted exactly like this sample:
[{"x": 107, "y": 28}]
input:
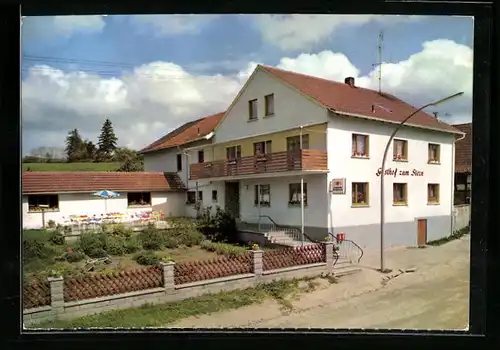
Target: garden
[{"x": 115, "y": 247}]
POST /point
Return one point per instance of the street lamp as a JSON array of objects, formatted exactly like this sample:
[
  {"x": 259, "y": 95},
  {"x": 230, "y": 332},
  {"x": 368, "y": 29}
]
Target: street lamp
[{"x": 382, "y": 168}]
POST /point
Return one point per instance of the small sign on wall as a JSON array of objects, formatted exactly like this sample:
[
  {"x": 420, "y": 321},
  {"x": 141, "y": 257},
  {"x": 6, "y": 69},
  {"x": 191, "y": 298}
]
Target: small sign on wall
[{"x": 337, "y": 186}]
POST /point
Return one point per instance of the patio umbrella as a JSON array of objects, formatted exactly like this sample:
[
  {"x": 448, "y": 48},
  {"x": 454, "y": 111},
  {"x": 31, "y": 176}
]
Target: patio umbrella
[{"x": 106, "y": 194}]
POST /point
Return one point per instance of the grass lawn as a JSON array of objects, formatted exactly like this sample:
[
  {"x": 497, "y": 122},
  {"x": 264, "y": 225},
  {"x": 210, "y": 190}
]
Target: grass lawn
[{"x": 71, "y": 166}]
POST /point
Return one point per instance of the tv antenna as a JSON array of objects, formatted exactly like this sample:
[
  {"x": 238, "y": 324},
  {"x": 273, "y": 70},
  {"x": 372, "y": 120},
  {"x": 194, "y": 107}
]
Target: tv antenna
[
  {"x": 436, "y": 114},
  {"x": 380, "y": 63}
]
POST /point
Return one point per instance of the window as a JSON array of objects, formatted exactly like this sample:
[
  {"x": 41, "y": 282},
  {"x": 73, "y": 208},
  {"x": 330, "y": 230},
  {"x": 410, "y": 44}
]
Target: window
[
  {"x": 201, "y": 156},
  {"x": 434, "y": 153},
  {"x": 45, "y": 202},
  {"x": 293, "y": 143},
  {"x": 359, "y": 193},
  {"x": 359, "y": 145},
  {"x": 264, "y": 196},
  {"x": 200, "y": 196},
  {"x": 433, "y": 193},
  {"x": 462, "y": 188},
  {"x": 139, "y": 199},
  {"x": 400, "y": 150},
  {"x": 400, "y": 194},
  {"x": 263, "y": 147},
  {"x": 214, "y": 196},
  {"x": 191, "y": 197},
  {"x": 233, "y": 153},
  {"x": 294, "y": 194},
  {"x": 269, "y": 99},
  {"x": 252, "y": 109},
  {"x": 179, "y": 162}
]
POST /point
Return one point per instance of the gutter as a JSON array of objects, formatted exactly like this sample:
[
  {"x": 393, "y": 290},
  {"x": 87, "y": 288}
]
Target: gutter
[{"x": 393, "y": 122}]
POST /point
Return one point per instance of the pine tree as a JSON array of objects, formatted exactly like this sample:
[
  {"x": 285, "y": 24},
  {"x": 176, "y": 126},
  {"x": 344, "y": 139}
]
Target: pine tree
[
  {"x": 75, "y": 146},
  {"x": 107, "y": 139}
]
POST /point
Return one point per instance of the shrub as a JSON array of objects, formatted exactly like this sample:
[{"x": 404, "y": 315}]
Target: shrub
[
  {"x": 220, "y": 227},
  {"x": 223, "y": 248},
  {"x": 57, "y": 237},
  {"x": 131, "y": 245},
  {"x": 97, "y": 253},
  {"x": 170, "y": 241},
  {"x": 51, "y": 223},
  {"x": 115, "y": 245},
  {"x": 92, "y": 244},
  {"x": 147, "y": 258},
  {"x": 117, "y": 230},
  {"x": 190, "y": 236},
  {"x": 151, "y": 239},
  {"x": 74, "y": 256},
  {"x": 36, "y": 249}
]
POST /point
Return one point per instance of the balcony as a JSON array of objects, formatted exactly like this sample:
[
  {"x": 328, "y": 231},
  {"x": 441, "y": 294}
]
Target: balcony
[{"x": 307, "y": 159}]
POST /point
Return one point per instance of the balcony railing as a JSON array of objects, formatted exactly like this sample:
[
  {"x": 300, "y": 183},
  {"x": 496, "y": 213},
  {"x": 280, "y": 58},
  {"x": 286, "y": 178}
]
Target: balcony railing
[{"x": 307, "y": 159}]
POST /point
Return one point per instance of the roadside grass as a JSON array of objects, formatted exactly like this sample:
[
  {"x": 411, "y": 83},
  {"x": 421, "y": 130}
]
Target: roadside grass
[
  {"x": 88, "y": 166},
  {"x": 162, "y": 315},
  {"x": 454, "y": 236}
]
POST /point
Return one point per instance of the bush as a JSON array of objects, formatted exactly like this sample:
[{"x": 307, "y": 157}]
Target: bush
[
  {"x": 36, "y": 249},
  {"x": 51, "y": 224},
  {"x": 74, "y": 256},
  {"x": 131, "y": 245},
  {"x": 117, "y": 230},
  {"x": 147, "y": 258},
  {"x": 190, "y": 236},
  {"x": 170, "y": 241},
  {"x": 57, "y": 237},
  {"x": 93, "y": 244},
  {"x": 115, "y": 245},
  {"x": 97, "y": 253},
  {"x": 220, "y": 227},
  {"x": 151, "y": 239},
  {"x": 223, "y": 248}
]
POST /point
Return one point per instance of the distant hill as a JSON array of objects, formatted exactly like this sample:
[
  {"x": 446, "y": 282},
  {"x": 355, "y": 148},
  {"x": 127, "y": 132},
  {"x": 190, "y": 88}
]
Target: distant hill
[{"x": 71, "y": 166}]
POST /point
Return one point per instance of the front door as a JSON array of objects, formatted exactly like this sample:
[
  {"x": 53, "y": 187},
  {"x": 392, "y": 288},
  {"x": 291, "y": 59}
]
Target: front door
[
  {"x": 233, "y": 199},
  {"x": 422, "y": 232}
]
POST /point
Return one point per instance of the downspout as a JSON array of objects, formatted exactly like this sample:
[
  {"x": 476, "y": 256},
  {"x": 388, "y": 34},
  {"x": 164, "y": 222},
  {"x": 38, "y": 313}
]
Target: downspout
[{"x": 452, "y": 201}]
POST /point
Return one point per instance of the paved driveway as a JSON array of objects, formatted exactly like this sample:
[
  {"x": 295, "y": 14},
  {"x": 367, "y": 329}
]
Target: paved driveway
[{"x": 435, "y": 296}]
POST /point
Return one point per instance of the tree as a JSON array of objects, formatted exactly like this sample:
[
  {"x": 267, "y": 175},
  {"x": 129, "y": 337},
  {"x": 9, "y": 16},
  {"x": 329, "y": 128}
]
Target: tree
[
  {"x": 90, "y": 149},
  {"x": 129, "y": 160},
  {"x": 75, "y": 146},
  {"x": 107, "y": 139}
]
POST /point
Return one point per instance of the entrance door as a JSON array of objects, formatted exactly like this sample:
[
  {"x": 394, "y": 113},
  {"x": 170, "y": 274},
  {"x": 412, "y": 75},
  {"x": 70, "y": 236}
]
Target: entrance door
[
  {"x": 233, "y": 199},
  {"x": 422, "y": 232}
]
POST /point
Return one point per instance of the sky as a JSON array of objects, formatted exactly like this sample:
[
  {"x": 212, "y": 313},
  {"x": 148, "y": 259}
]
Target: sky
[{"x": 151, "y": 73}]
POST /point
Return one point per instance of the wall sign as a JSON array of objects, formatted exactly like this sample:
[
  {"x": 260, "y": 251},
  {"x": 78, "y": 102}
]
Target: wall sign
[
  {"x": 337, "y": 186},
  {"x": 400, "y": 172}
]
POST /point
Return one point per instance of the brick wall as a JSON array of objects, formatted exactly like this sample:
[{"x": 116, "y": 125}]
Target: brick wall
[{"x": 171, "y": 282}]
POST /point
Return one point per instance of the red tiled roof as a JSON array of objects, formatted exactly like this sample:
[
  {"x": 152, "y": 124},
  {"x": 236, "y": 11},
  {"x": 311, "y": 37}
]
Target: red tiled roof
[
  {"x": 189, "y": 132},
  {"x": 463, "y": 149},
  {"x": 88, "y": 181},
  {"x": 341, "y": 97}
]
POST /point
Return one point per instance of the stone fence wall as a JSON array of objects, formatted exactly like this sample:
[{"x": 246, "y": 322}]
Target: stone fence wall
[{"x": 64, "y": 299}]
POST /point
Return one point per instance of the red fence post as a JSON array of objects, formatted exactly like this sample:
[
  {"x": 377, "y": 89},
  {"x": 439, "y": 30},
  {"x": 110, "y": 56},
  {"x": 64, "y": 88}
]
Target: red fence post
[{"x": 56, "y": 295}]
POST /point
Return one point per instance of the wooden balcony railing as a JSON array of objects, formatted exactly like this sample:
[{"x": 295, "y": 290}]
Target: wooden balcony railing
[{"x": 307, "y": 159}]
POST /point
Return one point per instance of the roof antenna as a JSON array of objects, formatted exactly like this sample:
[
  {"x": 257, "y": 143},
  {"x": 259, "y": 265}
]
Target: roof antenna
[{"x": 380, "y": 63}]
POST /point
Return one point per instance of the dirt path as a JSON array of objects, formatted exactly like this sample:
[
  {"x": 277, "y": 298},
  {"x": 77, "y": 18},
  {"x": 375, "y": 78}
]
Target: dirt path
[{"x": 435, "y": 296}]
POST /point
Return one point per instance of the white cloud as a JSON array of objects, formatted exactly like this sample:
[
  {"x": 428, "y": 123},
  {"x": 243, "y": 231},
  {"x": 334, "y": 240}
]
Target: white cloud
[
  {"x": 44, "y": 27},
  {"x": 149, "y": 101},
  {"x": 296, "y": 32},
  {"x": 166, "y": 25}
]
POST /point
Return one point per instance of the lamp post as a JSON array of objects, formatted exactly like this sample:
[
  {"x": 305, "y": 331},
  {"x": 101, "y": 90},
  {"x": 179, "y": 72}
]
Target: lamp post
[{"x": 382, "y": 168}]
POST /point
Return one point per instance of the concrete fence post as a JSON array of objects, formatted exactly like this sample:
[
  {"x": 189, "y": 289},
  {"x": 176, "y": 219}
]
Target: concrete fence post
[
  {"x": 257, "y": 262},
  {"x": 168, "y": 276},
  {"x": 329, "y": 256},
  {"x": 56, "y": 295}
]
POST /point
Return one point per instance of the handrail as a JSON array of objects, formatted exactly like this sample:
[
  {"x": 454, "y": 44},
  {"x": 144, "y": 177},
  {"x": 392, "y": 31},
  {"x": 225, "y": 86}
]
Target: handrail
[
  {"x": 348, "y": 240},
  {"x": 270, "y": 219},
  {"x": 335, "y": 253}
]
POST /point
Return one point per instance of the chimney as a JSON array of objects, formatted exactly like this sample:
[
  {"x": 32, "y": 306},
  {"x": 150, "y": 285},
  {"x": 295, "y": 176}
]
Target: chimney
[{"x": 349, "y": 81}]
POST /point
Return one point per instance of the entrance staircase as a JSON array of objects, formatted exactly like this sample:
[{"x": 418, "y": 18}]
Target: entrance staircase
[{"x": 348, "y": 253}]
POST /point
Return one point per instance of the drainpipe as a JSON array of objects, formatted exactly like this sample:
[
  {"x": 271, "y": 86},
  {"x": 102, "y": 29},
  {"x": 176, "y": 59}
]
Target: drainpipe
[
  {"x": 301, "y": 194},
  {"x": 258, "y": 205},
  {"x": 452, "y": 204}
]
